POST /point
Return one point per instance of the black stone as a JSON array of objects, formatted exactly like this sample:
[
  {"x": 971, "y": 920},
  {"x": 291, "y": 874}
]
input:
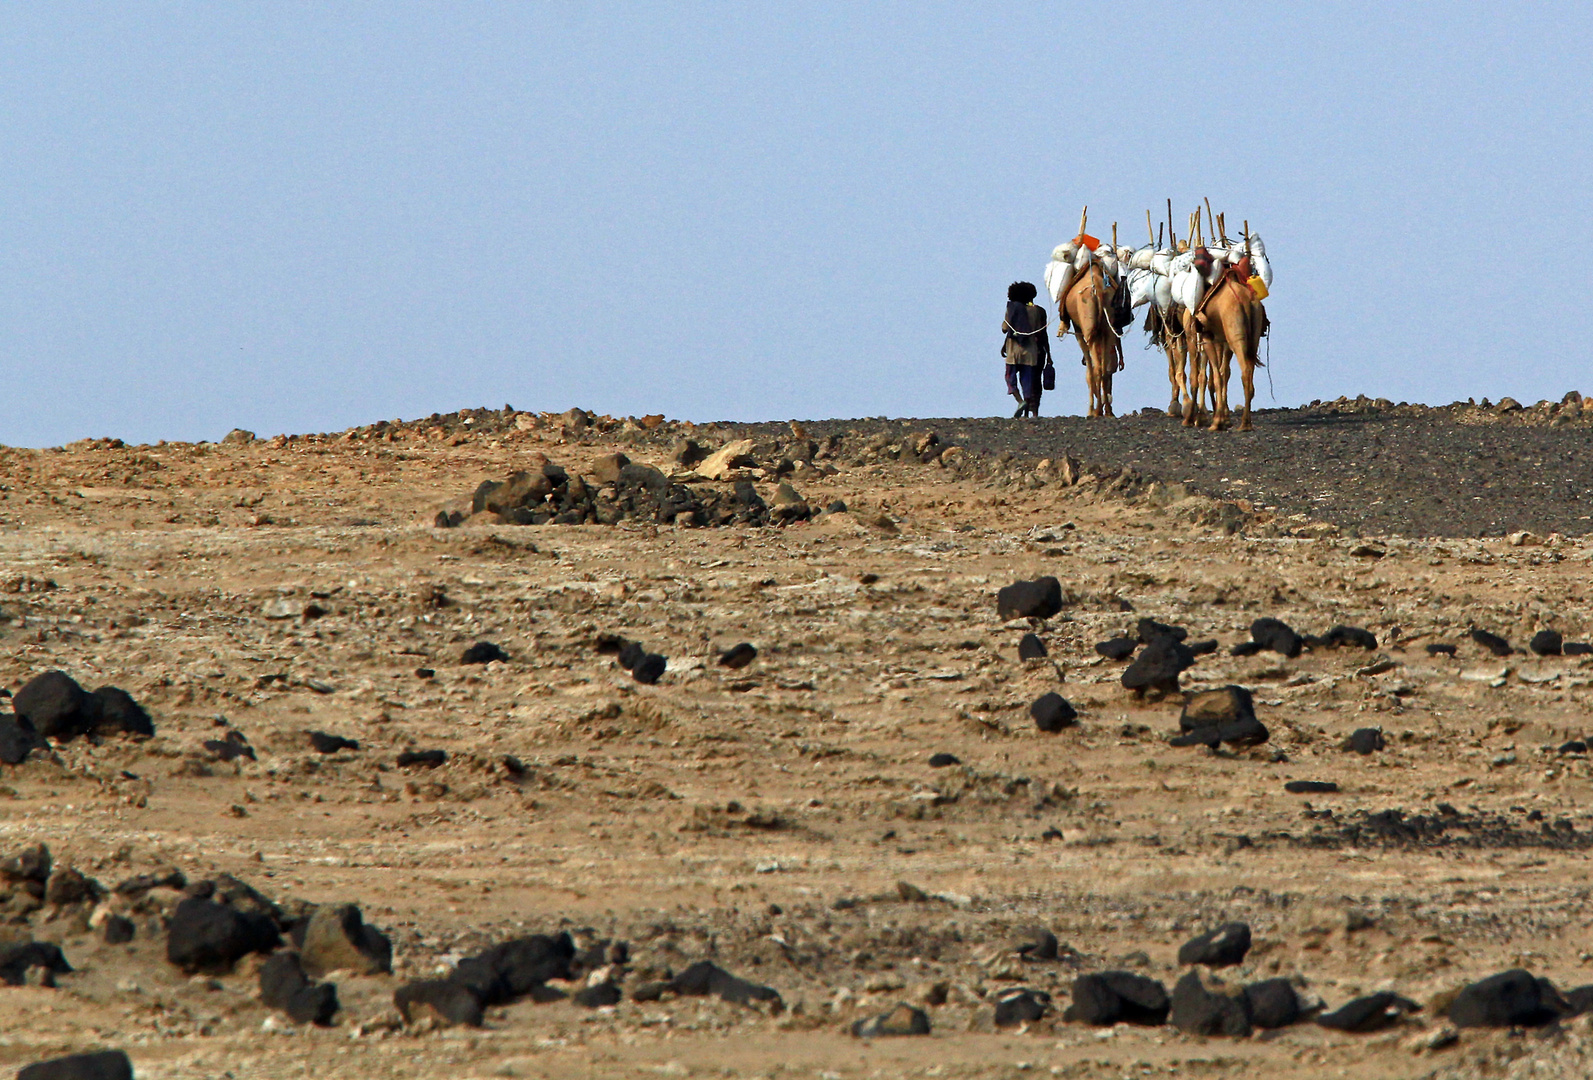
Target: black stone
[
  {"x": 205, "y": 936},
  {"x": 610, "y": 644},
  {"x": 1547, "y": 643},
  {"x": 117, "y": 713},
  {"x": 1578, "y": 1000},
  {"x": 738, "y": 656},
  {"x": 483, "y": 652},
  {"x": 1510, "y": 999},
  {"x": 1277, "y": 635},
  {"x": 231, "y": 748},
  {"x": 1148, "y": 630},
  {"x": 1246, "y": 731},
  {"x": 331, "y": 744},
  {"x": 1030, "y": 647},
  {"x": 1578, "y": 648},
  {"x": 1198, "y": 1011},
  {"x": 941, "y": 760},
  {"x": 1038, "y": 599},
  {"x": 1202, "y": 648},
  {"x": 1158, "y": 666},
  {"x": 514, "y": 968},
  {"x": 705, "y": 977},
  {"x": 1111, "y": 997},
  {"x": 1052, "y": 712},
  {"x": 1310, "y": 787},
  {"x": 650, "y": 668},
  {"x": 1374, "y": 1012},
  {"x": 1118, "y": 648},
  {"x": 55, "y": 706},
  {"x": 285, "y": 987},
  {"x": 100, "y": 1065},
  {"x": 17, "y": 740},
  {"x": 118, "y": 930},
  {"x": 1245, "y": 648},
  {"x": 1272, "y": 1003},
  {"x": 1351, "y": 636},
  {"x": 1440, "y": 648},
  {"x": 631, "y": 654},
  {"x": 451, "y": 1002},
  {"x": 595, "y": 997},
  {"x": 1036, "y": 943},
  {"x": 1366, "y": 740},
  {"x": 428, "y": 759},
  {"x": 138, "y": 886},
  {"x": 1222, "y": 947},
  {"x": 1575, "y": 746},
  {"x": 1492, "y": 642},
  {"x": 16, "y": 960},
  {"x": 1021, "y": 1006}
]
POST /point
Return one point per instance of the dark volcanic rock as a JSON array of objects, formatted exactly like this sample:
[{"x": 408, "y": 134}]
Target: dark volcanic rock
[
  {"x": 1021, "y": 1005},
  {"x": 1030, "y": 647},
  {"x": 1510, "y": 999},
  {"x": 483, "y": 652},
  {"x": 902, "y": 1020},
  {"x": 942, "y": 760},
  {"x": 1239, "y": 733},
  {"x": 1051, "y": 712},
  {"x": 338, "y": 938},
  {"x": 630, "y": 655},
  {"x": 69, "y": 885},
  {"x": 1492, "y": 642},
  {"x": 1148, "y": 630},
  {"x": 1211, "y": 708},
  {"x": 1038, "y": 599},
  {"x": 1245, "y": 648},
  {"x": 596, "y": 997},
  {"x": 1158, "y": 667},
  {"x": 116, "y": 713},
  {"x": 32, "y": 863},
  {"x": 118, "y": 930},
  {"x": 515, "y": 968},
  {"x": 443, "y": 999},
  {"x": 1575, "y": 746},
  {"x": 1118, "y": 648},
  {"x": 234, "y": 746},
  {"x": 1112, "y": 997},
  {"x": 17, "y": 740},
  {"x": 285, "y": 987},
  {"x": 1035, "y": 943},
  {"x": 1366, "y": 740},
  {"x": 1440, "y": 648},
  {"x": 1222, "y": 947},
  {"x": 1310, "y": 787},
  {"x": 205, "y": 936},
  {"x": 738, "y": 656},
  {"x": 1272, "y": 1003},
  {"x": 323, "y": 743},
  {"x": 427, "y": 759},
  {"x": 1199, "y": 1011},
  {"x": 18, "y": 959},
  {"x": 100, "y": 1065},
  {"x": 1349, "y": 636},
  {"x": 1578, "y": 648},
  {"x": 1276, "y": 635},
  {"x": 55, "y": 706},
  {"x": 650, "y": 668},
  {"x": 705, "y": 977},
  {"x": 1373, "y": 1012},
  {"x": 1547, "y": 643}
]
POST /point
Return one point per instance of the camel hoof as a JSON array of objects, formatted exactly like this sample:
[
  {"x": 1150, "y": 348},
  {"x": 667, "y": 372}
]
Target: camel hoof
[
  {"x": 1173, "y": 412},
  {"x": 1246, "y": 426}
]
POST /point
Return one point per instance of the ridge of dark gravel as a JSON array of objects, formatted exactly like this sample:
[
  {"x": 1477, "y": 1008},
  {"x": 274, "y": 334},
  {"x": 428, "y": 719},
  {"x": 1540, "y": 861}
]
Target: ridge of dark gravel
[{"x": 1371, "y": 472}]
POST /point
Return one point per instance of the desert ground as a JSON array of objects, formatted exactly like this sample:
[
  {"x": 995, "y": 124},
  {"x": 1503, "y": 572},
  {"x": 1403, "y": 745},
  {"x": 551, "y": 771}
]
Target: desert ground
[{"x": 782, "y": 819}]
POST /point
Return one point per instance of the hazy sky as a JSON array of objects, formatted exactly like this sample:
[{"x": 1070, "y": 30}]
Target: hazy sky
[{"x": 298, "y": 217}]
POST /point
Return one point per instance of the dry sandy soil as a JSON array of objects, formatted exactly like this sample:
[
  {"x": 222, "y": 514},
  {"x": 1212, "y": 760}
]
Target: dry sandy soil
[{"x": 766, "y": 817}]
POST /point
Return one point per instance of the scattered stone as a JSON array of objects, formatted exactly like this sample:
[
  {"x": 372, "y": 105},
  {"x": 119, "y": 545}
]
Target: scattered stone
[
  {"x": 1211, "y": 708},
  {"x": 1547, "y": 643},
  {"x": 32, "y": 863},
  {"x": 1030, "y": 647},
  {"x": 607, "y": 469},
  {"x": 705, "y": 977},
  {"x": 1112, "y": 997},
  {"x": 1222, "y": 947},
  {"x": 138, "y": 886},
  {"x": 1245, "y": 648},
  {"x": 1366, "y": 740},
  {"x": 599, "y": 996},
  {"x": 943, "y": 759},
  {"x": 115, "y": 712},
  {"x": 1035, "y": 943},
  {"x": 630, "y": 655},
  {"x": 1021, "y": 1005},
  {"x": 18, "y": 961},
  {"x": 1199, "y": 1011},
  {"x": 515, "y": 968},
  {"x": 1118, "y": 648},
  {"x": 1347, "y": 636},
  {"x": 230, "y": 748},
  {"x": 1038, "y": 599},
  {"x": 727, "y": 459},
  {"x": 1364, "y": 1015},
  {"x": 483, "y": 652},
  {"x": 1578, "y": 648},
  {"x": 1495, "y": 644},
  {"x": 285, "y": 987},
  {"x": 1310, "y": 787},
  {"x": 118, "y": 930},
  {"x": 788, "y": 506},
  {"x": 17, "y": 740},
  {"x": 55, "y": 706},
  {"x": 338, "y": 939},
  {"x": 1158, "y": 667},
  {"x": 1052, "y": 712},
  {"x": 738, "y": 656},
  {"x": 443, "y": 1000},
  {"x": 1276, "y": 635},
  {"x": 71, "y": 886},
  {"x": 1202, "y": 648},
  {"x": 1148, "y": 630},
  {"x": 1575, "y": 746},
  {"x": 1510, "y": 999},
  {"x": 100, "y": 1065},
  {"x": 205, "y": 936},
  {"x": 323, "y": 743},
  {"x": 426, "y": 759},
  {"x": 1241, "y": 733},
  {"x": 1272, "y": 1003},
  {"x": 911, "y": 893},
  {"x": 1439, "y": 648},
  {"x": 904, "y": 1019},
  {"x": 650, "y": 668}
]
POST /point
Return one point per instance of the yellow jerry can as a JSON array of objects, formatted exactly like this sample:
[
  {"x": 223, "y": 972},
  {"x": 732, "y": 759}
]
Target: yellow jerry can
[{"x": 1258, "y": 286}]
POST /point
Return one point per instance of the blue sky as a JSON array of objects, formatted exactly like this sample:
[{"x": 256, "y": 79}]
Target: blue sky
[{"x": 298, "y": 217}]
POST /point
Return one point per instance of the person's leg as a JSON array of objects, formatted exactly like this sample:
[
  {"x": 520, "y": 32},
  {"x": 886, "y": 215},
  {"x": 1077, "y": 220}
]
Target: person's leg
[
  {"x": 1031, "y": 389},
  {"x": 1014, "y": 388}
]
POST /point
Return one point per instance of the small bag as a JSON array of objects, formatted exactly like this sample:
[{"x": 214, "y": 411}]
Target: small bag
[{"x": 1048, "y": 378}]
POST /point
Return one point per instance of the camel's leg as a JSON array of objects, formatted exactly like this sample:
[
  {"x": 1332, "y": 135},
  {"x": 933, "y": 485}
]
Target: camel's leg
[
  {"x": 1238, "y": 342},
  {"x": 1174, "y": 376},
  {"x": 1108, "y": 369},
  {"x": 1222, "y": 369}
]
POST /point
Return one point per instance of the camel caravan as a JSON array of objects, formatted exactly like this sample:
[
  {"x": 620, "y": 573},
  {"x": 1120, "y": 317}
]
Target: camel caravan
[{"x": 1203, "y": 298}]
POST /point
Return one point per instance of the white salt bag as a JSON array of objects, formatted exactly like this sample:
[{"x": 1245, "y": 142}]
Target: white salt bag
[{"x": 1058, "y": 276}]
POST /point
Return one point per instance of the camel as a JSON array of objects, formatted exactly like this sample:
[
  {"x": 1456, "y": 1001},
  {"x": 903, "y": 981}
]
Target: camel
[
  {"x": 1084, "y": 306},
  {"x": 1229, "y": 324},
  {"x": 1167, "y": 332}
]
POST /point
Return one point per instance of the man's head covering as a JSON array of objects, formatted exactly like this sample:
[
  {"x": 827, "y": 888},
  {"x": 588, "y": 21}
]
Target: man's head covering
[{"x": 1022, "y": 292}]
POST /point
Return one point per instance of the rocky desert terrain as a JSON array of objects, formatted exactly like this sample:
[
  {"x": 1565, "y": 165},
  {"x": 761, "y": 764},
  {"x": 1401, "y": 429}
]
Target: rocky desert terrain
[{"x": 860, "y": 813}]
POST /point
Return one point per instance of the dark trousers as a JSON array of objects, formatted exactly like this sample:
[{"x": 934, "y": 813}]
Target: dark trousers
[{"x": 1024, "y": 380}]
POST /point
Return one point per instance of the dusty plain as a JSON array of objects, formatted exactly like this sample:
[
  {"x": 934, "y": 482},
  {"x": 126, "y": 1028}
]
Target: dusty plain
[{"x": 782, "y": 819}]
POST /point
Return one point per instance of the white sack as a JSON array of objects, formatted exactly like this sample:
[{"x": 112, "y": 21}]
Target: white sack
[
  {"x": 1081, "y": 258},
  {"x": 1262, "y": 267},
  {"x": 1108, "y": 263},
  {"x": 1162, "y": 263},
  {"x": 1164, "y": 294},
  {"x": 1058, "y": 276},
  {"x": 1141, "y": 259},
  {"x": 1188, "y": 288},
  {"x": 1141, "y": 287},
  {"x": 1064, "y": 252},
  {"x": 1257, "y": 247}
]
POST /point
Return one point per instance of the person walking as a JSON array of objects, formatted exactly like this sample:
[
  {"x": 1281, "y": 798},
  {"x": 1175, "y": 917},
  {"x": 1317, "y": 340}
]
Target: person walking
[{"x": 1026, "y": 348}]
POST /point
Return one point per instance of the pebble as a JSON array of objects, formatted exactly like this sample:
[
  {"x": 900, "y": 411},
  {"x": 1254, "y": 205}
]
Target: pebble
[
  {"x": 903, "y": 1020},
  {"x": 1222, "y": 947},
  {"x": 1052, "y": 712},
  {"x": 1365, "y": 741},
  {"x": 1030, "y": 647},
  {"x": 100, "y": 1065},
  {"x": 1038, "y": 599}
]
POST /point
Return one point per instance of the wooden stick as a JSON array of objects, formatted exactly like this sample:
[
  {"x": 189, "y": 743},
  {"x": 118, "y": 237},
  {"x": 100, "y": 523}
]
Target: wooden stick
[
  {"x": 1150, "y": 228},
  {"x": 1114, "y": 238},
  {"x": 1158, "y": 238},
  {"x": 1247, "y": 238},
  {"x": 1212, "y": 228},
  {"x": 1084, "y": 217},
  {"x": 1222, "y": 229},
  {"x": 1172, "y": 237}
]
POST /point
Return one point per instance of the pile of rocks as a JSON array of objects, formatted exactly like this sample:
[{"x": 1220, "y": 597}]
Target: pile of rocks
[{"x": 54, "y": 706}]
